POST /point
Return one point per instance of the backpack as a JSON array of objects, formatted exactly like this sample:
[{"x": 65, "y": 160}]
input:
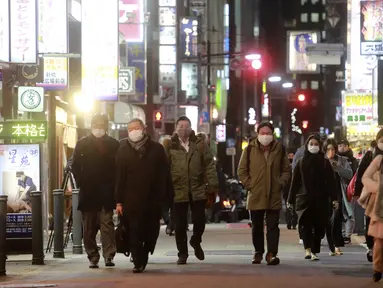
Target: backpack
[{"x": 249, "y": 147}]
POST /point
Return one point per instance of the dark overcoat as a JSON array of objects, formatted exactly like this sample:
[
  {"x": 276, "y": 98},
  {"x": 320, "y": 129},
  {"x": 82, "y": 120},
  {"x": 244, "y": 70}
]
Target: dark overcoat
[{"x": 94, "y": 170}]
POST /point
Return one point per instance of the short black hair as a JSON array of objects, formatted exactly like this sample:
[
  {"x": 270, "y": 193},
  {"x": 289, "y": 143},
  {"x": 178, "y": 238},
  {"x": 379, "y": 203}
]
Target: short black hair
[
  {"x": 265, "y": 124},
  {"x": 330, "y": 142},
  {"x": 100, "y": 117},
  {"x": 344, "y": 142},
  {"x": 20, "y": 173},
  {"x": 183, "y": 118}
]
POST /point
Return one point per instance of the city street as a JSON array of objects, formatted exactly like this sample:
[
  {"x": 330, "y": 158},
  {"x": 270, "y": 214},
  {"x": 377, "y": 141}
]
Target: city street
[{"x": 228, "y": 252}]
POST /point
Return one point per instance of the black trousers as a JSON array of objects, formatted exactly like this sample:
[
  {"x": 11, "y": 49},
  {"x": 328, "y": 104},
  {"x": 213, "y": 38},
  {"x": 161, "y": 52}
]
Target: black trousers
[
  {"x": 291, "y": 218},
  {"x": 334, "y": 231},
  {"x": 181, "y": 224},
  {"x": 369, "y": 239},
  {"x": 313, "y": 229},
  {"x": 272, "y": 237}
]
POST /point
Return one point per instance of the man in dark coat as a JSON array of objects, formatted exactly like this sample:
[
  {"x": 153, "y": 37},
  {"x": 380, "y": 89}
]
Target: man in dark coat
[
  {"x": 94, "y": 170},
  {"x": 141, "y": 191}
]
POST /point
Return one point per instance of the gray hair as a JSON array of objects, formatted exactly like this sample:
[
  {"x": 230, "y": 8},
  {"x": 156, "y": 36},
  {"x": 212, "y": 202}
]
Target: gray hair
[{"x": 137, "y": 120}]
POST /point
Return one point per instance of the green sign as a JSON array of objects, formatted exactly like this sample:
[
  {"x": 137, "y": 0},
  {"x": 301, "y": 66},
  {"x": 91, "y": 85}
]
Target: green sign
[{"x": 26, "y": 130}]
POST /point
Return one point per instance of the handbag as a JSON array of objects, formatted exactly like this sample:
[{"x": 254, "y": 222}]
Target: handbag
[
  {"x": 122, "y": 239},
  {"x": 351, "y": 188}
]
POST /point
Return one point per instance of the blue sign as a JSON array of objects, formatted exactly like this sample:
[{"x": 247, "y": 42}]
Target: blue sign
[
  {"x": 205, "y": 117},
  {"x": 136, "y": 58},
  {"x": 19, "y": 225},
  {"x": 230, "y": 143},
  {"x": 189, "y": 38},
  {"x": 300, "y": 42}
]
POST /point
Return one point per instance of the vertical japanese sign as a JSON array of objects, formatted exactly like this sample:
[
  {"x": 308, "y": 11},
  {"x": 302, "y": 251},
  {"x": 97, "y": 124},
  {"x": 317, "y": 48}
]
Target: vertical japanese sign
[
  {"x": 53, "y": 34},
  {"x": 189, "y": 37},
  {"x": 55, "y": 73},
  {"x": 99, "y": 38},
  {"x": 131, "y": 19},
  {"x": 20, "y": 175},
  {"x": 4, "y": 31},
  {"x": 23, "y": 30},
  {"x": 136, "y": 58}
]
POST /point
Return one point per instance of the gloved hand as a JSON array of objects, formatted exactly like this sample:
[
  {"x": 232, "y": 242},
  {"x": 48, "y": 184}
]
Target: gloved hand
[{"x": 335, "y": 204}]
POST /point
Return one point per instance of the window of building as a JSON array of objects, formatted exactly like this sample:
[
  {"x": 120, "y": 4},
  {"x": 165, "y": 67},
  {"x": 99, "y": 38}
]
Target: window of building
[
  {"x": 304, "y": 85},
  {"x": 315, "y": 17},
  {"x": 303, "y": 2},
  {"x": 314, "y": 1},
  {"x": 324, "y": 15},
  {"x": 314, "y": 85},
  {"x": 323, "y": 35},
  {"x": 304, "y": 18}
]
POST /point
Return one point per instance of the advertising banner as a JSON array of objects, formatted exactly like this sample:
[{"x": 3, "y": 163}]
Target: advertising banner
[
  {"x": 297, "y": 59},
  {"x": 23, "y": 30},
  {"x": 100, "y": 49},
  {"x": 127, "y": 78},
  {"x": 371, "y": 32},
  {"x": 189, "y": 38},
  {"x": 4, "y": 31},
  {"x": 55, "y": 73},
  {"x": 53, "y": 32},
  {"x": 131, "y": 19},
  {"x": 20, "y": 175},
  {"x": 358, "y": 109}
]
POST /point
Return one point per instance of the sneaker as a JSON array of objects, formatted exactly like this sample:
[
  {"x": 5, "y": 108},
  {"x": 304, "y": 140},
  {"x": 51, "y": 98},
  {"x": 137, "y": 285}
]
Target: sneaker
[
  {"x": 338, "y": 252},
  {"x": 198, "y": 251},
  {"x": 377, "y": 276},
  {"x": 332, "y": 254},
  {"x": 314, "y": 257},
  {"x": 347, "y": 240},
  {"x": 137, "y": 270},
  {"x": 272, "y": 260},
  {"x": 257, "y": 259},
  {"x": 300, "y": 242},
  {"x": 308, "y": 254},
  {"x": 369, "y": 256},
  {"x": 93, "y": 265},
  {"x": 109, "y": 263}
]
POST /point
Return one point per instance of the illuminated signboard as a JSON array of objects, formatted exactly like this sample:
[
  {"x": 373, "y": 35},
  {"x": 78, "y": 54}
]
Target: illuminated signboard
[
  {"x": 4, "y": 31},
  {"x": 28, "y": 130},
  {"x": 100, "y": 61},
  {"x": 53, "y": 25},
  {"x": 131, "y": 19},
  {"x": 23, "y": 26},
  {"x": 55, "y": 73},
  {"x": 358, "y": 108},
  {"x": 371, "y": 32},
  {"x": 189, "y": 37}
]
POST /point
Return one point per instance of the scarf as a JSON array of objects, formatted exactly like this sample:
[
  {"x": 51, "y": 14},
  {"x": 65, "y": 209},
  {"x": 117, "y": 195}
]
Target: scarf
[{"x": 140, "y": 146}]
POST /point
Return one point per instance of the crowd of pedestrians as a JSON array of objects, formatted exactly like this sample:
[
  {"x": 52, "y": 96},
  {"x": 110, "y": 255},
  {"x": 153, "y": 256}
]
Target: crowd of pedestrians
[{"x": 326, "y": 191}]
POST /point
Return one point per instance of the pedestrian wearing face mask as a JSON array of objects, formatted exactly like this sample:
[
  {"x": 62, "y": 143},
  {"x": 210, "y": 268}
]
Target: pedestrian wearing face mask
[
  {"x": 264, "y": 170},
  {"x": 311, "y": 188},
  {"x": 194, "y": 176},
  {"x": 142, "y": 190},
  {"x": 343, "y": 174},
  {"x": 94, "y": 170}
]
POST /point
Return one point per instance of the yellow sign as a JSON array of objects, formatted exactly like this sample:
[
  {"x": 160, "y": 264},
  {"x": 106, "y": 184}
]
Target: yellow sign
[
  {"x": 55, "y": 73},
  {"x": 357, "y": 108}
]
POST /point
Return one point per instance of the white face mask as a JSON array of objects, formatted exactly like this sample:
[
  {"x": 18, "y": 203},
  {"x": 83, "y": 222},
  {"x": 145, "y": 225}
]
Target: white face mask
[
  {"x": 313, "y": 149},
  {"x": 98, "y": 133},
  {"x": 265, "y": 140},
  {"x": 380, "y": 146},
  {"x": 136, "y": 135}
]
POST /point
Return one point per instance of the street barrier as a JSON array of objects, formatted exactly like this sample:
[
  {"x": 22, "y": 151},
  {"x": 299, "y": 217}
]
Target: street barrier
[
  {"x": 37, "y": 229},
  {"x": 58, "y": 236},
  {"x": 77, "y": 223},
  {"x": 3, "y": 230}
]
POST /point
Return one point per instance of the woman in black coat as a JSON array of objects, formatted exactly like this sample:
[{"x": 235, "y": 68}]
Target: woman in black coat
[{"x": 312, "y": 185}]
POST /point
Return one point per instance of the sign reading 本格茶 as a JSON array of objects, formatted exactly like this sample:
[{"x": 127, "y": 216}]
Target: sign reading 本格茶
[{"x": 29, "y": 130}]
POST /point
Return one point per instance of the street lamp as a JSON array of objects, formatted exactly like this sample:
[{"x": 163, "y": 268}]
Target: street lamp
[
  {"x": 287, "y": 85},
  {"x": 275, "y": 79},
  {"x": 83, "y": 104}
]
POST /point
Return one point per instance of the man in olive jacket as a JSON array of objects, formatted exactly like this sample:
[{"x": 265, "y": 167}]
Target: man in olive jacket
[
  {"x": 194, "y": 175},
  {"x": 264, "y": 169}
]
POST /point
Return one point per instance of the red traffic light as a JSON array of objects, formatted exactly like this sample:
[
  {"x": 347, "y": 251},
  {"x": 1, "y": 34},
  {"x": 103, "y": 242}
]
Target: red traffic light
[
  {"x": 305, "y": 124},
  {"x": 301, "y": 97},
  {"x": 158, "y": 116},
  {"x": 256, "y": 64}
]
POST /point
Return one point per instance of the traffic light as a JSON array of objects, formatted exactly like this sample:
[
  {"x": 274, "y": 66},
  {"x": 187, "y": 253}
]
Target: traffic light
[
  {"x": 305, "y": 124},
  {"x": 158, "y": 120},
  {"x": 301, "y": 97},
  {"x": 256, "y": 64}
]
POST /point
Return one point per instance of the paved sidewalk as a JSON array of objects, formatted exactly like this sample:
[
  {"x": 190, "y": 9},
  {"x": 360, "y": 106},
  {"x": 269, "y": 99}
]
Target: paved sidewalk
[{"x": 228, "y": 252}]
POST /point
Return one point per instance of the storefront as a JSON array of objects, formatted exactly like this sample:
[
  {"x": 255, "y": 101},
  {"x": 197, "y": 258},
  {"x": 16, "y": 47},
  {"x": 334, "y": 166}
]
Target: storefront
[{"x": 21, "y": 156}]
